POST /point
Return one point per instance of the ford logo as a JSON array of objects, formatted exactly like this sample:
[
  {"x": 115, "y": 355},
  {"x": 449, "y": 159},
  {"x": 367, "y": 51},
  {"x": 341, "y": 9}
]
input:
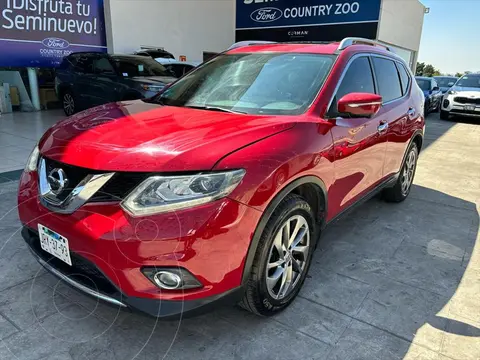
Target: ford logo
[
  {"x": 266, "y": 14},
  {"x": 55, "y": 43}
]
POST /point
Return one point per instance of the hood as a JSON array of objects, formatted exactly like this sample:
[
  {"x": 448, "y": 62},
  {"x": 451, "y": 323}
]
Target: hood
[
  {"x": 444, "y": 89},
  {"x": 154, "y": 79},
  {"x": 140, "y": 136},
  {"x": 467, "y": 91}
]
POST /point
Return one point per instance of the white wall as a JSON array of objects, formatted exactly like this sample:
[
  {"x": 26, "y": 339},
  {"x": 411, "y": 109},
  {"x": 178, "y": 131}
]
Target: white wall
[
  {"x": 401, "y": 23},
  {"x": 183, "y": 27}
]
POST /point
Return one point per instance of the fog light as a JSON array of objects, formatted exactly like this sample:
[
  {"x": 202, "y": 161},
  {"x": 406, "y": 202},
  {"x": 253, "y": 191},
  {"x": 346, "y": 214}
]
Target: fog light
[
  {"x": 171, "y": 278},
  {"x": 167, "y": 280},
  {"x": 446, "y": 103}
]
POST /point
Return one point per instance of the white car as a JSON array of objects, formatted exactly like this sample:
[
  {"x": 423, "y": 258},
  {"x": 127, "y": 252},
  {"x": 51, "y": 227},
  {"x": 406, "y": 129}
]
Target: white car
[
  {"x": 463, "y": 98},
  {"x": 179, "y": 68}
]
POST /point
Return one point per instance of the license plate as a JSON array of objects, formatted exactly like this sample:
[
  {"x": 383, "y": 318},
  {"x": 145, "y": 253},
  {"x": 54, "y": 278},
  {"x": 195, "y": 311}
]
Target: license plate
[
  {"x": 54, "y": 244},
  {"x": 470, "y": 108}
]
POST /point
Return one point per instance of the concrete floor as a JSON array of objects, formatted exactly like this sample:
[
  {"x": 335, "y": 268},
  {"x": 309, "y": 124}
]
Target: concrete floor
[
  {"x": 391, "y": 281},
  {"x": 19, "y": 132}
]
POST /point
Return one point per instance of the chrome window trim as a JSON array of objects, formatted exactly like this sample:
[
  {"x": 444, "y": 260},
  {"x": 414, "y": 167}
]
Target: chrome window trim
[{"x": 77, "y": 198}]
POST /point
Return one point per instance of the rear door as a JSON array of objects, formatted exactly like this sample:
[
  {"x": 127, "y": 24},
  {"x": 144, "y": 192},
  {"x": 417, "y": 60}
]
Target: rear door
[
  {"x": 397, "y": 107},
  {"x": 359, "y": 143}
]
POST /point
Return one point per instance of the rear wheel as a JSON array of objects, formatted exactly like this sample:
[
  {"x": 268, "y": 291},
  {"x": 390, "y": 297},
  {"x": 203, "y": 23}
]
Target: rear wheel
[
  {"x": 68, "y": 102},
  {"x": 401, "y": 189},
  {"x": 444, "y": 115},
  {"x": 282, "y": 259}
]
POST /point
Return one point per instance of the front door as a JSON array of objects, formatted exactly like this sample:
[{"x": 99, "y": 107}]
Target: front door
[
  {"x": 106, "y": 88},
  {"x": 359, "y": 143}
]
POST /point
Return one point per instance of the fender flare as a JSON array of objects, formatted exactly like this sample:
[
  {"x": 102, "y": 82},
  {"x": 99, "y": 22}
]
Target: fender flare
[{"x": 309, "y": 179}]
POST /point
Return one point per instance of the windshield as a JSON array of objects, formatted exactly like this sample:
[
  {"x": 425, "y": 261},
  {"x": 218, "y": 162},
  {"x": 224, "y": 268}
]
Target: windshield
[
  {"x": 424, "y": 84},
  {"x": 445, "y": 81},
  {"x": 139, "y": 66},
  {"x": 258, "y": 83},
  {"x": 469, "y": 81}
]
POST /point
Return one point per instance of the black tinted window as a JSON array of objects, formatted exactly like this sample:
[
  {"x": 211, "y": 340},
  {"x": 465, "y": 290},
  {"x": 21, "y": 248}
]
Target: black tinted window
[
  {"x": 387, "y": 79},
  {"x": 177, "y": 70},
  {"x": 103, "y": 66},
  {"x": 358, "y": 78},
  {"x": 139, "y": 66},
  {"x": 404, "y": 77},
  {"x": 84, "y": 64}
]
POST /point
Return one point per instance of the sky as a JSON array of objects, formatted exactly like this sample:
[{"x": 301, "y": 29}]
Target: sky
[{"x": 451, "y": 35}]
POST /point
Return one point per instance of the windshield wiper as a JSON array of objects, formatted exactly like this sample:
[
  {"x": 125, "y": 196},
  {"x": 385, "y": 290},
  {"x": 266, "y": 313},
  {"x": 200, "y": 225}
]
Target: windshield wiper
[{"x": 214, "y": 108}]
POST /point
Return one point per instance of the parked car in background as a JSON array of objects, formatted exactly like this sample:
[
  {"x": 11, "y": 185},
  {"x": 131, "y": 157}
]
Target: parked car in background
[
  {"x": 217, "y": 189},
  {"x": 431, "y": 91},
  {"x": 154, "y": 53},
  {"x": 463, "y": 98},
  {"x": 84, "y": 80},
  {"x": 178, "y": 68},
  {"x": 445, "y": 82}
]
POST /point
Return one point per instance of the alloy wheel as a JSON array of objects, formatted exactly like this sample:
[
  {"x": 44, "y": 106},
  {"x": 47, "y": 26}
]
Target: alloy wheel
[
  {"x": 288, "y": 257},
  {"x": 68, "y": 104},
  {"x": 408, "y": 172}
]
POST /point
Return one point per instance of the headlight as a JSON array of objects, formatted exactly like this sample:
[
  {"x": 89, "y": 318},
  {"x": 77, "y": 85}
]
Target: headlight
[
  {"x": 32, "y": 160},
  {"x": 159, "y": 194},
  {"x": 152, "y": 87}
]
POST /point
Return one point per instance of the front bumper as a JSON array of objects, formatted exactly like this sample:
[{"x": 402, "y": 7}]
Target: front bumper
[
  {"x": 455, "y": 108},
  {"x": 111, "y": 248},
  {"x": 87, "y": 278}
]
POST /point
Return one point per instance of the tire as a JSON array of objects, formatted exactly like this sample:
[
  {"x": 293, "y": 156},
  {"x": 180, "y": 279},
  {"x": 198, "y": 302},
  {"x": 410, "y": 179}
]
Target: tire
[
  {"x": 399, "y": 192},
  {"x": 444, "y": 115},
  {"x": 68, "y": 103},
  {"x": 267, "y": 297}
]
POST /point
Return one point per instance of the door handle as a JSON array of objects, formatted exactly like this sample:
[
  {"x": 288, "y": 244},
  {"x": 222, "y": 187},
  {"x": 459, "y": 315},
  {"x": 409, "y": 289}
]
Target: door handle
[
  {"x": 411, "y": 113},
  {"x": 382, "y": 127}
]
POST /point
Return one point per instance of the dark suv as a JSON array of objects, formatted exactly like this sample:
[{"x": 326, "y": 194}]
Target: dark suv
[{"x": 84, "y": 80}]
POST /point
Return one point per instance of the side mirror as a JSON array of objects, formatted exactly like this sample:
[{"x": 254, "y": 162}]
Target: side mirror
[
  {"x": 359, "y": 104},
  {"x": 436, "y": 88}
]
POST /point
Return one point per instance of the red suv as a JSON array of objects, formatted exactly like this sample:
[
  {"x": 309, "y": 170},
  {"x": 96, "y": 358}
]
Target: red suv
[{"x": 218, "y": 188}]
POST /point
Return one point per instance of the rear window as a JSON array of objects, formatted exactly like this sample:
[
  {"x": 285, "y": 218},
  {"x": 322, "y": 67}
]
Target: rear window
[
  {"x": 139, "y": 66},
  {"x": 424, "y": 84},
  {"x": 387, "y": 78}
]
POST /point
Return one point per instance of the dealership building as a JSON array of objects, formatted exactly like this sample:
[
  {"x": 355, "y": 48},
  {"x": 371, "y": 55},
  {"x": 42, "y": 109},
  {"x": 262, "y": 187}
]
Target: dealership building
[{"x": 36, "y": 34}]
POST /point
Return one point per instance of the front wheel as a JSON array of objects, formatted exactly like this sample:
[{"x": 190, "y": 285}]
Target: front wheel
[
  {"x": 401, "y": 189},
  {"x": 282, "y": 258},
  {"x": 68, "y": 102},
  {"x": 444, "y": 115}
]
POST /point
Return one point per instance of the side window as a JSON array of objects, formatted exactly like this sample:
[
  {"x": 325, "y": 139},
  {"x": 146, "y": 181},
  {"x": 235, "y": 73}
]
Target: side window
[
  {"x": 404, "y": 78},
  {"x": 358, "y": 78},
  {"x": 103, "y": 66},
  {"x": 84, "y": 64},
  {"x": 387, "y": 79}
]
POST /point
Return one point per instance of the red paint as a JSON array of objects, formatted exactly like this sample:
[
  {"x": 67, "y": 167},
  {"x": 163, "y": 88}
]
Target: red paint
[
  {"x": 360, "y": 104},
  {"x": 348, "y": 155}
]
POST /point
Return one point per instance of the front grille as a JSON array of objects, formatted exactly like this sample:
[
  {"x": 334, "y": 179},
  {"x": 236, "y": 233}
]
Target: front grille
[
  {"x": 116, "y": 189},
  {"x": 119, "y": 186},
  {"x": 74, "y": 174},
  {"x": 82, "y": 270},
  {"x": 465, "y": 100}
]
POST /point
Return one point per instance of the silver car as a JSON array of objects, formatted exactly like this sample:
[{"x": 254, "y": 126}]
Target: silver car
[{"x": 463, "y": 98}]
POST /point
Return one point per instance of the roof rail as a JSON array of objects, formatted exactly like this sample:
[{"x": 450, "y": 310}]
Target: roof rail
[
  {"x": 149, "y": 47},
  {"x": 248, "y": 43},
  {"x": 360, "y": 41}
]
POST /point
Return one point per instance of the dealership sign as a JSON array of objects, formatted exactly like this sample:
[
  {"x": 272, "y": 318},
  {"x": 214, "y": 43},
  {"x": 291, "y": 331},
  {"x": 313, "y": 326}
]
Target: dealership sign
[
  {"x": 265, "y": 19},
  {"x": 39, "y": 33}
]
